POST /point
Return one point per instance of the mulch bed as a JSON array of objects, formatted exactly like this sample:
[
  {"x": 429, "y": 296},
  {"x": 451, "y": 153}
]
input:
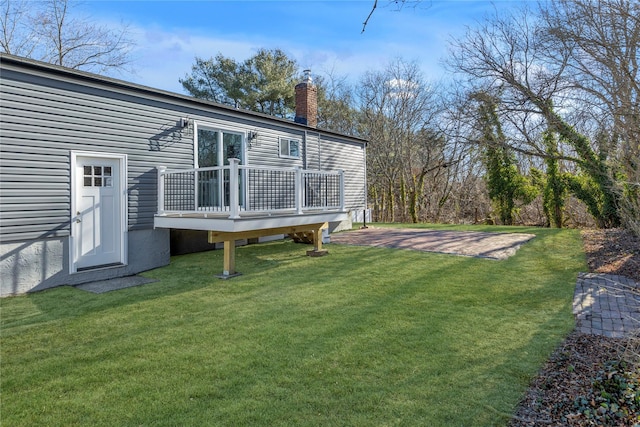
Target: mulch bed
[
  {"x": 614, "y": 251},
  {"x": 576, "y": 386}
]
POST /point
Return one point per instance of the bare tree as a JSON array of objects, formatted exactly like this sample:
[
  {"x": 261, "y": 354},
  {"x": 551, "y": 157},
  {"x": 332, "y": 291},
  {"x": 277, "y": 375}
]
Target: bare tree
[
  {"x": 18, "y": 38},
  {"x": 50, "y": 31},
  {"x": 383, "y": 164},
  {"x": 399, "y": 119},
  {"x": 396, "y": 4},
  {"x": 465, "y": 196},
  {"x": 336, "y": 111}
]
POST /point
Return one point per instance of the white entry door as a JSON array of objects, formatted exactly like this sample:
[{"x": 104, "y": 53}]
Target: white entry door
[{"x": 98, "y": 212}]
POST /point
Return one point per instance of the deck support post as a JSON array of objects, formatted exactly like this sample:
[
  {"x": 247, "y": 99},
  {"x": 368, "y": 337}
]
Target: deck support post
[
  {"x": 229, "y": 260},
  {"x": 228, "y": 238},
  {"x": 317, "y": 242},
  {"x": 229, "y": 263}
]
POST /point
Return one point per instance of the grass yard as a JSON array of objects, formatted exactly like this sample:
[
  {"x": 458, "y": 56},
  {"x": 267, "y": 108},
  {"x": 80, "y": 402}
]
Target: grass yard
[{"x": 361, "y": 337}]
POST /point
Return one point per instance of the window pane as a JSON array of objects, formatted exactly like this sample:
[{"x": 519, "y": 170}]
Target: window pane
[
  {"x": 232, "y": 143},
  {"x": 97, "y": 182},
  {"x": 108, "y": 181},
  {"x": 284, "y": 147},
  {"x": 97, "y": 170},
  {"x": 87, "y": 170},
  {"x": 293, "y": 148},
  {"x": 87, "y": 181},
  {"x": 107, "y": 171},
  {"x": 207, "y": 148}
]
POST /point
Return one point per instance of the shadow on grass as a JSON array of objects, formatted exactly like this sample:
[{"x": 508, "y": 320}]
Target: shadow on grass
[
  {"x": 375, "y": 335},
  {"x": 259, "y": 264},
  {"x": 184, "y": 275},
  {"x": 534, "y": 310}
]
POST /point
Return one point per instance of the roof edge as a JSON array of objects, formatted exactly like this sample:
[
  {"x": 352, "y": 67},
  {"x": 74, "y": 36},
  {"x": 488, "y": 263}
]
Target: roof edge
[{"x": 119, "y": 83}]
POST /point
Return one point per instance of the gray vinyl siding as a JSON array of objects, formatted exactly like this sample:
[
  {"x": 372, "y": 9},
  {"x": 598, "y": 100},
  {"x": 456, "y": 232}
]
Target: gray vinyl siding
[
  {"x": 266, "y": 150},
  {"x": 350, "y": 157},
  {"x": 313, "y": 150},
  {"x": 43, "y": 120},
  {"x": 48, "y": 112}
]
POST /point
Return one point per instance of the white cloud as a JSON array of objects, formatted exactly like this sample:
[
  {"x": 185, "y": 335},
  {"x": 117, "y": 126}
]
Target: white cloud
[
  {"x": 165, "y": 54},
  {"x": 162, "y": 57}
]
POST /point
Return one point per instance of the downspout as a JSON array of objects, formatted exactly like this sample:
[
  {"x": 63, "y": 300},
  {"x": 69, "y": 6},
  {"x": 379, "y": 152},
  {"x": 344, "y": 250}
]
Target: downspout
[
  {"x": 304, "y": 156},
  {"x": 319, "y": 152},
  {"x": 364, "y": 213}
]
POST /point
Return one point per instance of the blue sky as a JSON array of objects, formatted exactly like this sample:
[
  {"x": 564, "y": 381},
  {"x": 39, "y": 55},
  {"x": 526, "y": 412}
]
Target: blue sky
[{"x": 325, "y": 36}]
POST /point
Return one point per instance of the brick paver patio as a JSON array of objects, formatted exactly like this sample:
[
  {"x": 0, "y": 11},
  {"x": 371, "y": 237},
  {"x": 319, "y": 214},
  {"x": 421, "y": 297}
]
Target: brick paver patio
[
  {"x": 468, "y": 243},
  {"x": 606, "y": 304}
]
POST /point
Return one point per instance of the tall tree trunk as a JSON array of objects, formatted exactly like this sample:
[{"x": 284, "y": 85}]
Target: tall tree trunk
[
  {"x": 596, "y": 167},
  {"x": 554, "y": 188},
  {"x": 390, "y": 203},
  {"x": 416, "y": 194},
  {"x": 403, "y": 199}
]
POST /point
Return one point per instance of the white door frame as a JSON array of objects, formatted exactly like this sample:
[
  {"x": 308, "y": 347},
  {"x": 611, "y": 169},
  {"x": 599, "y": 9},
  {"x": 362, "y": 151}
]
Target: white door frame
[
  {"x": 244, "y": 160},
  {"x": 218, "y": 128},
  {"x": 122, "y": 190}
]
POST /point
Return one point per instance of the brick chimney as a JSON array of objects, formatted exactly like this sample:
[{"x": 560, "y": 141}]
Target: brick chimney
[{"x": 307, "y": 101}]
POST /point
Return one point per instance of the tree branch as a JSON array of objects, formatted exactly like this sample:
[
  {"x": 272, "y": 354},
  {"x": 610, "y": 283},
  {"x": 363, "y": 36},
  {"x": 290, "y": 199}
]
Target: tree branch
[{"x": 366, "y": 21}]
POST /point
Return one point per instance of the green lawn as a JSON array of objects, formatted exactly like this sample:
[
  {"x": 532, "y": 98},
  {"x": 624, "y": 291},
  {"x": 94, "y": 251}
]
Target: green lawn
[{"x": 361, "y": 337}]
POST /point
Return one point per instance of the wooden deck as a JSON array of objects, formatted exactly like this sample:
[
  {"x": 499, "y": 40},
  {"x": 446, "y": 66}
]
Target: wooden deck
[
  {"x": 248, "y": 222},
  {"x": 234, "y": 203}
]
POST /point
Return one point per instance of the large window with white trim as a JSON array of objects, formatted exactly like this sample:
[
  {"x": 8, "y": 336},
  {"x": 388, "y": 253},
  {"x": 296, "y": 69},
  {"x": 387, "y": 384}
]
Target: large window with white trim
[{"x": 214, "y": 149}]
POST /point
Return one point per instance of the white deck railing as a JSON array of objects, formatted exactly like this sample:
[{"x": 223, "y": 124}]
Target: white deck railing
[{"x": 235, "y": 189}]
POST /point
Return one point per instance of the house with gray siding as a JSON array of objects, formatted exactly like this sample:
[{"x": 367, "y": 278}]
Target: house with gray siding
[{"x": 100, "y": 178}]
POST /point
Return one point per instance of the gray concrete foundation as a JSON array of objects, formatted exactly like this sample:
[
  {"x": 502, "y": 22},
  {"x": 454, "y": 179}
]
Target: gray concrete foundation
[{"x": 35, "y": 265}]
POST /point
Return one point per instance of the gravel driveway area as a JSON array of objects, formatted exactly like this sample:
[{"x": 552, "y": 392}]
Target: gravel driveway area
[{"x": 468, "y": 243}]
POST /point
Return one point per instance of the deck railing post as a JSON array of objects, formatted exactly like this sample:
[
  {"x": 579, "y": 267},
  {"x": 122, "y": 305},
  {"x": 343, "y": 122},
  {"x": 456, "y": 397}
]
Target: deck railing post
[
  {"x": 299, "y": 187},
  {"x": 196, "y": 188},
  {"x": 234, "y": 189},
  {"x": 341, "y": 172},
  {"x": 161, "y": 172}
]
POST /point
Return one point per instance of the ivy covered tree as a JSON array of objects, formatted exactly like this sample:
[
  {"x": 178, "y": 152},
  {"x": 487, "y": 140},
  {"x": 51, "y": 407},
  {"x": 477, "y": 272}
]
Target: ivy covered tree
[
  {"x": 551, "y": 184},
  {"x": 554, "y": 192},
  {"x": 568, "y": 68},
  {"x": 505, "y": 184}
]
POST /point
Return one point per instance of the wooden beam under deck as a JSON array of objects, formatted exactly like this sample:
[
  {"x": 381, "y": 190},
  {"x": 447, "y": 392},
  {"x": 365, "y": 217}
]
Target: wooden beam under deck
[{"x": 229, "y": 238}]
